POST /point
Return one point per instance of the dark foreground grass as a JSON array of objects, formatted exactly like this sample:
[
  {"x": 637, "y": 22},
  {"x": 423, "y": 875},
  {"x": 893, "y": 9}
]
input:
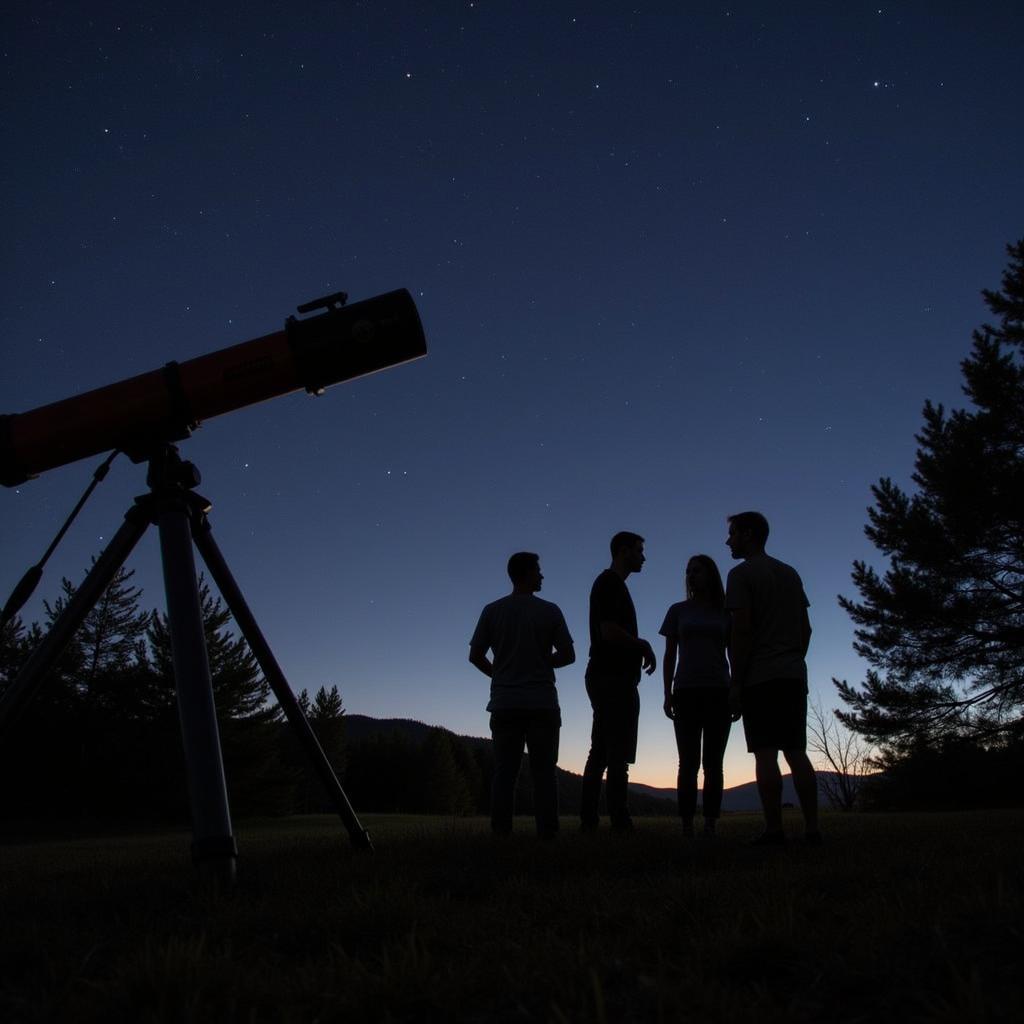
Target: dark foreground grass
[{"x": 908, "y": 918}]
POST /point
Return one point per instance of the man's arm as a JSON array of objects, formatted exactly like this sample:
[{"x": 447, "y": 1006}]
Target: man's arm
[
  {"x": 668, "y": 670},
  {"x": 479, "y": 645},
  {"x": 805, "y": 632},
  {"x": 478, "y": 658},
  {"x": 741, "y": 642},
  {"x": 563, "y": 654},
  {"x": 613, "y": 633},
  {"x": 562, "y": 651}
]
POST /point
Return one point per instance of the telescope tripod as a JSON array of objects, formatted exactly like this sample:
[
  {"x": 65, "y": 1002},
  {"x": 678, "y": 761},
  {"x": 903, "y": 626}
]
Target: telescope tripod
[{"x": 180, "y": 515}]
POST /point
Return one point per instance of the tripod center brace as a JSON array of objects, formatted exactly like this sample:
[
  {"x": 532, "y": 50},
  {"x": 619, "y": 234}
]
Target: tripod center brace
[{"x": 180, "y": 515}]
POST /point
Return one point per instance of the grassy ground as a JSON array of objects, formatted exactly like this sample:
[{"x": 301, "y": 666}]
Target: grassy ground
[{"x": 909, "y": 918}]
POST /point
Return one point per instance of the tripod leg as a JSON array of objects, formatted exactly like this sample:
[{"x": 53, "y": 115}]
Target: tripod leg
[
  {"x": 33, "y": 673},
  {"x": 213, "y": 843},
  {"x": 271, "y": 670}
]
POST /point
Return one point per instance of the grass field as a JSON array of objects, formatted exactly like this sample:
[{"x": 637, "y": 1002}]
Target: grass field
[{"x": 908, "y": 918}]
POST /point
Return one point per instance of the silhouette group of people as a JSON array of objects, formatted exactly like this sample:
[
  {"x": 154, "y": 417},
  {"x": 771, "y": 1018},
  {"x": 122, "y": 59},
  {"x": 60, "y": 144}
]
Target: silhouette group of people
[{"x": 731, "y": 652}]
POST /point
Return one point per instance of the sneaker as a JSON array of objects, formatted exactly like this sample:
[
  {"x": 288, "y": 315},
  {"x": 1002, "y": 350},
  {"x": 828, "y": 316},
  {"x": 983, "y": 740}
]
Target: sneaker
[{"x": 768, "y": 839}]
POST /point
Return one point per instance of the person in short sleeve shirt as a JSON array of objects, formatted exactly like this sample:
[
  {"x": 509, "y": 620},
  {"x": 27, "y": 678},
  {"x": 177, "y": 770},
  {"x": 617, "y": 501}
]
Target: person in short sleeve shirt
[
  {"x": 696, "y": 677},
  {"x": 617, "y": 658},
  {"x": 770, "y": 635},
  {"x": 529, "y": 639}
]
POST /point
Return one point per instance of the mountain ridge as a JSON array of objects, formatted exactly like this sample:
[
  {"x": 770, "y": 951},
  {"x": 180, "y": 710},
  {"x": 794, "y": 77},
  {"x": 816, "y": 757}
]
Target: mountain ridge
[{"x": 735, "y": 799}]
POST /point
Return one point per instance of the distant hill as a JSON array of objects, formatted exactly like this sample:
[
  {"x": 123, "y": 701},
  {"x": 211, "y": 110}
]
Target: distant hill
[
  {"x": 361, "y": 727},
  {"x": 744, "y": 797},
  {"x": 644, "y": 799}
]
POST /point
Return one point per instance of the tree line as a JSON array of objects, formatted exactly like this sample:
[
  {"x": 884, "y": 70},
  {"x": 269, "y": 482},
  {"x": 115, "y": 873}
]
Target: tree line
[{"x": 101, "y": 740}]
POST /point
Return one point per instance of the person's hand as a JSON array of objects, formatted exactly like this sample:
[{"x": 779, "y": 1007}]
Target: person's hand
[
  {"x": 735, "y": 702},
  {"x": 669, "y": 710},
  {"x": 650, "y": 662}
]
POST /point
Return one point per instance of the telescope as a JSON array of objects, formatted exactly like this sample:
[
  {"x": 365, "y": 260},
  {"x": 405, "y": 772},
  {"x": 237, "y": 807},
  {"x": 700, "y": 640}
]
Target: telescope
[
  {"x": 166, "y": 405},
  {"x": 141, "y": 416}
]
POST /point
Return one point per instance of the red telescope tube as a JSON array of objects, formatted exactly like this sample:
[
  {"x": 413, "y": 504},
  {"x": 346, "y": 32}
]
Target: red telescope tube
[{"x": 165, "y": 405}]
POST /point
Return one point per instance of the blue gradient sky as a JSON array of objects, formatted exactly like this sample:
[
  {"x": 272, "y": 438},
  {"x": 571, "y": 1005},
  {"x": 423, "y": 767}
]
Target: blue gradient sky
[{"x": 673, "y": 260}]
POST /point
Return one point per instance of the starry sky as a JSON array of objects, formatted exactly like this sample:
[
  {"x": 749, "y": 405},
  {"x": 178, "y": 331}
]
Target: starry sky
[{"x": 674, "y": 261}]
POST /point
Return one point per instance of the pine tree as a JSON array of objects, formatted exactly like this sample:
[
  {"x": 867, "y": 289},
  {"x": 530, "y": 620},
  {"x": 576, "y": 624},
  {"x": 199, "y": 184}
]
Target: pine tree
[
  {"x": 13, "y": 650},
  {"x": 110, "y": 635},
  {"x": 326, "y": 706},
  {"x": 259, "y": 780},
  {"x": 80, "y": 732},
  {"x": 239, "y": 689},
  {"x": 108, "y": 644},
  {"x": 943, "y": 627},
  {"x": 112, "y": 648},
  {"x": 327, "y": 718},
  {"x": 325, "y": 713}
]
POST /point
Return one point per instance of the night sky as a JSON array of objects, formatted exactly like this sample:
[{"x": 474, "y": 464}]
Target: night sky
[{"x": 674, "y": 261}]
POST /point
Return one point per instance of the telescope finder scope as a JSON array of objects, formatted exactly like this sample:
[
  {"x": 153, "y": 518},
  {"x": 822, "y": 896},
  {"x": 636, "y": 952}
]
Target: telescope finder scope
[{"x": 166, "y": 405}]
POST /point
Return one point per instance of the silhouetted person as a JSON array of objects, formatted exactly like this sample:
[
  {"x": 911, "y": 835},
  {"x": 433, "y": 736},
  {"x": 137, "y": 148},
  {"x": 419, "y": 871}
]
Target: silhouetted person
[
  {"x": 529, "y": 640},
  {"x": 768, "y": 644},
  {"x": 617, "y": 655},
  {"x": 696, "y": 675}
]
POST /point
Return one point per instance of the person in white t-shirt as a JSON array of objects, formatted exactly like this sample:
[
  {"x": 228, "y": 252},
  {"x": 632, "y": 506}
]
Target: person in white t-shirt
[
  {"x": 529, "y": 640},
  {"x": 769, "y": 639}
]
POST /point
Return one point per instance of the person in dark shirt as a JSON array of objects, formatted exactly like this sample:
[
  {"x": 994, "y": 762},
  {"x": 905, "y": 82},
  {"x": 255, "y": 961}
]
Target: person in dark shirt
[
  {"x": 696, "y": 676},
  {"x": 617, "y": 658},
  {"x": 529, "y": 640}
]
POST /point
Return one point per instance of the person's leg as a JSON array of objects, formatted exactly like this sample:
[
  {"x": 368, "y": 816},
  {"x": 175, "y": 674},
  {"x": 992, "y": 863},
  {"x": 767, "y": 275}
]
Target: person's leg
[
  {"x": 806, "y": 784},
  {"x": 793, "y": 743},
  {"x": 542, "y": 743},
  {"x": 760, "y": 725},
  {"x": 769, "y": 787},
  {"x": 687, "y": 729},
  {"x": 508, "y": 734},
  {"x": 621, "y": 729},
  {"x": 617, "y": 790},
  {"x": 597, "y": 760},
  {"x": 716, "y": 724}
]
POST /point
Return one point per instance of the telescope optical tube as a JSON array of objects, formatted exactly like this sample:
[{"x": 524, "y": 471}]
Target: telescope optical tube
[{"x": 138, "y": 413}]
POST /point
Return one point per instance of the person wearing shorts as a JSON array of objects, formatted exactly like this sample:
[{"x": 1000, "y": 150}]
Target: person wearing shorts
[
  {"x": 768, "y": 645},
  {"x": 617, "y": 657}
]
